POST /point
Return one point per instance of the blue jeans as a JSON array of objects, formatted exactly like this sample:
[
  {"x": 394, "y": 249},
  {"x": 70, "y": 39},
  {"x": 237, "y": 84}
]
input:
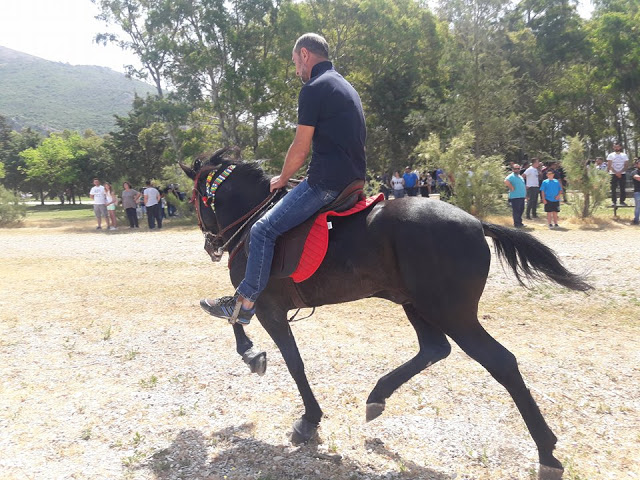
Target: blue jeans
[
  {"x": 398, "y": 193},
  {"x": 297, "y": 206},
  {"x": 636, "y": 215}
]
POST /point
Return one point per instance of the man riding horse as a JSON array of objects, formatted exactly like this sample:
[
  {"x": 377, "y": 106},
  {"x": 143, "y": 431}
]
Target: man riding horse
[{"x": 330, "y": 118}]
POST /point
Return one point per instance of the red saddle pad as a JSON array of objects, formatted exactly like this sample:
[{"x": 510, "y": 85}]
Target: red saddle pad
[{"x": 317, "y": 242}]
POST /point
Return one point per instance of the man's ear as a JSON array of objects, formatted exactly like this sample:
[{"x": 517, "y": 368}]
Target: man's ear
[{"x": 304, "y": 54}]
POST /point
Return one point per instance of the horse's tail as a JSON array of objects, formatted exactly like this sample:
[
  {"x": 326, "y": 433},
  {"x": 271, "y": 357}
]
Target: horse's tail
[{"x": 530, "y": 258}]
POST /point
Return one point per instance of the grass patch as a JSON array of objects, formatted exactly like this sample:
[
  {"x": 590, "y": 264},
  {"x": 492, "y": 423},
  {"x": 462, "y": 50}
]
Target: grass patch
[{"x": 57, "y": 213}]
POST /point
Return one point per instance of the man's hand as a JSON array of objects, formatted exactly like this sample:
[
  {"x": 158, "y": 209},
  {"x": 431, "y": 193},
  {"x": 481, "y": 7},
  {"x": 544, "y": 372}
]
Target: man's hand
[{"x": 278, "y": 182}]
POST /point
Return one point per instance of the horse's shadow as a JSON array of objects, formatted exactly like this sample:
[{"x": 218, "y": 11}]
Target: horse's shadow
[{"x": 187, "y": 457}]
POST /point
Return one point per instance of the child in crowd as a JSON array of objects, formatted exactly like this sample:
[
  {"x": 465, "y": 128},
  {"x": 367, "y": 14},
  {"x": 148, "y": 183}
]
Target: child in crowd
[{"x": 551, "y": 190}]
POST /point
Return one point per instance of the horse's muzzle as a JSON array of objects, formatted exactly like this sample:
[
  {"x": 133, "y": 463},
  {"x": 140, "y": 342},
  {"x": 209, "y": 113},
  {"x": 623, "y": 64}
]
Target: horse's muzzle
[{"x": 213, "y": 246}]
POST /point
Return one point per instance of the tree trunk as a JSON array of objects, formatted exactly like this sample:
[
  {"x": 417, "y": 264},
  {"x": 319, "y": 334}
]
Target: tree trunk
[
  {"x": 585, "y": 207},
  {"x": 41, "y": 197}
]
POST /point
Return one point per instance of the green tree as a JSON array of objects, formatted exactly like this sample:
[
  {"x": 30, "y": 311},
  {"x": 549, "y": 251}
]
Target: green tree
[
  {"x": 138, "y": 147},
  {"x": 395, "y": 54},
  {"x": 48, "y": 167},
  {"x": 477, "y": 180},
  {"x": 11, "y": 144},
  {"x": 615, "y": 34},
  {"x": 151, "y": 29},
  {"x": 482, "y": 81}
]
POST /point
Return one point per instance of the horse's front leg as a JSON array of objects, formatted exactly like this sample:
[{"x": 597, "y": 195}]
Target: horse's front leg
[
  {"x": 274, "y": 320},
  {"x": 251, "y": 355}
]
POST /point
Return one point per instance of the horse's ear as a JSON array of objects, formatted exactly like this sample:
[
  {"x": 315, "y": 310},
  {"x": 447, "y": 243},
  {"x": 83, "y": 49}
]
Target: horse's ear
[
  {"x": 189, "y": 171},
  {"x": 218, "y": 156}
]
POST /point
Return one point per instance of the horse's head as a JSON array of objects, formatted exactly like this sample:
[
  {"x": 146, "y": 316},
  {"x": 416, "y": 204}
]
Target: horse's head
[{"x": 224, "y": 190}]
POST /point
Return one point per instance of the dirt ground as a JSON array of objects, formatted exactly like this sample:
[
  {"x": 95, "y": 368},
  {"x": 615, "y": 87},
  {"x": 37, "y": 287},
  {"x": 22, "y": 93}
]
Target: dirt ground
[{"x": 110, "y": 370}]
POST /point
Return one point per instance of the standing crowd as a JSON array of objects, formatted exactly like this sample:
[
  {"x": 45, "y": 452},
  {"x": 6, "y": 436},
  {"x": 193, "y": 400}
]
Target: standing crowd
[
  {"x": 411, "y": 183},
  {"x": 136, "y": 204},
  {"x": 528, "y": 185}
]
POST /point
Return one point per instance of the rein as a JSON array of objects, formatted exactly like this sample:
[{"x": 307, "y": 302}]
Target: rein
[{"x": 215, "y": 242}]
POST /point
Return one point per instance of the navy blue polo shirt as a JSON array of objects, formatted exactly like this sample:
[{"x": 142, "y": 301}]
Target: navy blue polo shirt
[{"x": 330, "y": 104}]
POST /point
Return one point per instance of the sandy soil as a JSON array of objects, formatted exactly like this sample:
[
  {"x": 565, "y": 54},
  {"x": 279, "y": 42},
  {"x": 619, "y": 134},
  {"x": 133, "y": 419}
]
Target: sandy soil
[{"x": 110, "y": 370}]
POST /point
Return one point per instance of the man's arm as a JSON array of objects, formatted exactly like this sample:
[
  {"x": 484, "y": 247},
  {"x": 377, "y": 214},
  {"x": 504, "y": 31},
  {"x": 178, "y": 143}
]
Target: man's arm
[
  {"x": 296, "y": 156},
  {"x": 509, "y": 185}
]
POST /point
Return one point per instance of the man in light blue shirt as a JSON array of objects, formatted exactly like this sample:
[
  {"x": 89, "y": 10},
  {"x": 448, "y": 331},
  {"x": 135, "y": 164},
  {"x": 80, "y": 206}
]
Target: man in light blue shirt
[{"x": 517, "y": 193}]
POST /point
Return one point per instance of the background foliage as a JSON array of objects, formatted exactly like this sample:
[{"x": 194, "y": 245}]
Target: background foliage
[{"x": 525, "y": 77}]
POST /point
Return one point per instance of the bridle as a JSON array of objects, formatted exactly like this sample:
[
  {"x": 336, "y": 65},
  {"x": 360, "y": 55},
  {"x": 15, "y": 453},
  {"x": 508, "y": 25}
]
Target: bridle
[{"x": 214, "y": 243}]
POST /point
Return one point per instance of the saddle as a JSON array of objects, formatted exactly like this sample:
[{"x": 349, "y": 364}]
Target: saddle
[{"x": 299, "y": 252}]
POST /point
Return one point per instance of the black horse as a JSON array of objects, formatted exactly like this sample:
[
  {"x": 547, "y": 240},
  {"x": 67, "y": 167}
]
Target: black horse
[{"x": 384, "y": 252}]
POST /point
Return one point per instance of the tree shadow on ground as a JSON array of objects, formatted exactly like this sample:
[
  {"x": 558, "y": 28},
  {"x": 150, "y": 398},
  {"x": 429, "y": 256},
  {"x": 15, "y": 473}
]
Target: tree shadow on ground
[{"x": 238, "y": 456}]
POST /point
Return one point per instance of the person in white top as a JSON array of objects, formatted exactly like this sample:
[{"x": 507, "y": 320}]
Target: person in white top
[
  {"x": 99, "y": 198},
  {"x": 617, "y": 164},
  {"x": 152, "y": 204},
  {"x": 600, "y": 165},
  {"x": 111, "y": 201},
  {"x": 397, "y": 185},
  {"x": 532, "y": 182}
]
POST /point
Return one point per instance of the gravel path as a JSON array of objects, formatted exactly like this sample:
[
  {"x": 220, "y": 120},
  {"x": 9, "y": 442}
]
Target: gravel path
[{"x": 110, "y": 370}]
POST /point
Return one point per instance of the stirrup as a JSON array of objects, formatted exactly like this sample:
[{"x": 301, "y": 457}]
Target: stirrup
[{"x": 236, "y": 312}]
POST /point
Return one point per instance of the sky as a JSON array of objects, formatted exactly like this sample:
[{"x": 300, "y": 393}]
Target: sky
[
  {"x": 63, "y": 31},
  {"x": 59, "y": 30}
]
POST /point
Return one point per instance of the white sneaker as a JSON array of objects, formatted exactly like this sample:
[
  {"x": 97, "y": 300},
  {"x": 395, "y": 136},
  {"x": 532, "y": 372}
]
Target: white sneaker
[{"x": 113, "y": 228}]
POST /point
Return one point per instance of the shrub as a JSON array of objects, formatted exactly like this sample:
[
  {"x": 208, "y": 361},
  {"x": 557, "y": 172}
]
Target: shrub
[
  {"x": 12, "y": 210},
  {"x": 592, "y": 185},
  {"x": 477, "y": 181}
]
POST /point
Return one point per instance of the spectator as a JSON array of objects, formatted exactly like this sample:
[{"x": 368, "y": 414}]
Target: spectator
[
  {"x": 110, "y": 203},
  {"x": 141, "y": 210},
  {"x": 163, "y": 204},
  {"x": 551, "y": 190},
  {"x": 397, "y": 185},
  {"x": 152, "y": 205},
  {"x": 617, "y": 164},
  {"x": 636, "y": 191},
  {"x": 172, "y": 197},
  {"x": 130, "y": 199},
  {"x": 600, "y": 164},
  {"x": 532, "y": 183},
  {"x": 442, "y": 184},
  {"x": 99, "y": 198},
  {"x": 410, "y": 182},
  {"x": 425, "y": 185},
  {"x": 517, "y": 192}
]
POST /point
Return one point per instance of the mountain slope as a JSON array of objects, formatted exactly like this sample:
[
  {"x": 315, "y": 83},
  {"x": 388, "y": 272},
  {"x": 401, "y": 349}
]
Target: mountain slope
[{"x": 52, "y": 96}]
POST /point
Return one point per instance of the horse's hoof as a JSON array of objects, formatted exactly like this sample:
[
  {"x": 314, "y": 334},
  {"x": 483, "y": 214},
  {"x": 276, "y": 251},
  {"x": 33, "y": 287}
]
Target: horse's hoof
[
  {"x": 374, "y": 410},
  {"x": 256, "y": 360},
  {"x": 303, "y": 431},
  {"x": 550, "y": 473}
]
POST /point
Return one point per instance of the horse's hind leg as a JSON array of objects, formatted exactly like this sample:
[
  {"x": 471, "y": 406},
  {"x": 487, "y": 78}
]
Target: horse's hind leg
[
  {"x": 433, "y": 345},
  {"x": 255, "y": 358},
  {"x": 502, "y": 365}
]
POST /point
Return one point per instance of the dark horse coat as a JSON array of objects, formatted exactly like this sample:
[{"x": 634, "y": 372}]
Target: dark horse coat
[{"x": 384, "y": 252}]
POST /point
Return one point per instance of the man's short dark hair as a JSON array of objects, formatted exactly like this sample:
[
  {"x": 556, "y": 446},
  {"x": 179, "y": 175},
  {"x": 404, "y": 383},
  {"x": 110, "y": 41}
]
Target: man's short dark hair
[
  {"x": 314, "y": 43},
  {"x": 148, "y": 182}
]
